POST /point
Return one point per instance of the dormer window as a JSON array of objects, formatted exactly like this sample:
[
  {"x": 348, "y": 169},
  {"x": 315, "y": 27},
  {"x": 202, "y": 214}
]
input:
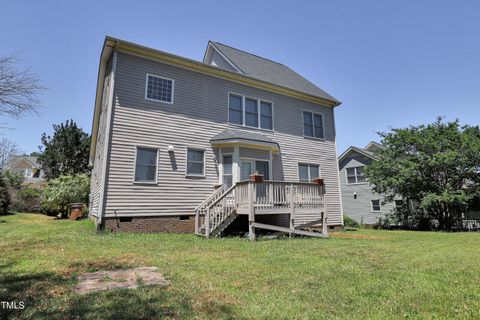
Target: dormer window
[{"x": 159, "y": 89}]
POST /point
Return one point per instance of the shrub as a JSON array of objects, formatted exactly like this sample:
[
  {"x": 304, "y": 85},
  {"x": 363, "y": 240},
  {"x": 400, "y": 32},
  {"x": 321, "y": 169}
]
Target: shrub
[
  {"x": 27, "y": 199},
  {"x": 350, "y": 223},
  {"x": 4, "y": 196},
  {"x": 64, "y": 190}
]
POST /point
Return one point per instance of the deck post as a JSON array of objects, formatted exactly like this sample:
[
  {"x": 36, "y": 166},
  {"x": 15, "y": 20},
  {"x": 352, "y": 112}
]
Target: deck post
[
  {"x": 324, "y": 212},
  {"x": 207, "y": 223},
  {"x": 251, "y": 210},
  {"x": 292, "y": 207},
  {"x": 197, "y": 222}
]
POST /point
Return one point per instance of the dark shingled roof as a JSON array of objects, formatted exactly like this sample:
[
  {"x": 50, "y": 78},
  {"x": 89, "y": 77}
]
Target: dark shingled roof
[
  {"x": 270, "y": 71},
  {"x": 234, "y": 134}
]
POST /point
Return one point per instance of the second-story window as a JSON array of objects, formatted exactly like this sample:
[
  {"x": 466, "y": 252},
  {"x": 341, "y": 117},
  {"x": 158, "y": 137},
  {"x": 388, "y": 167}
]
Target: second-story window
[
  {"x": 159, "y": 89},
  {"x": 250, "y": 112},
  {"x": 355, "y": 175},
  {"x": 313, "y": 125},
  {"x": 235, "y": 109}
]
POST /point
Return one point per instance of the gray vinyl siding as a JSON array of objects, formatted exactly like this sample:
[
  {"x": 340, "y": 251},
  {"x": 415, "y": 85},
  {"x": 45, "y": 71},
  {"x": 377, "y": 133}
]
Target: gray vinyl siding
[
  {"x": 198, "y": 113},
  {"x": 98, "y": 171},
  {"x": 360, "y": 209}
]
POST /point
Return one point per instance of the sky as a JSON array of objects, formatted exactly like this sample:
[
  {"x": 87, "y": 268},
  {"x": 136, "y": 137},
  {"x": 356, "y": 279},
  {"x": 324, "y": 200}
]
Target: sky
[{"x": 391, "y": 63}]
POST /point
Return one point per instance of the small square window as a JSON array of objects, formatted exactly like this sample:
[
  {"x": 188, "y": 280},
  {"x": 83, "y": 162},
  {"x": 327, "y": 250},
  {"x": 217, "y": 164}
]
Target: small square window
[
  {"x": 376, "y": 205},
  {"x": 159, "y": 89}
]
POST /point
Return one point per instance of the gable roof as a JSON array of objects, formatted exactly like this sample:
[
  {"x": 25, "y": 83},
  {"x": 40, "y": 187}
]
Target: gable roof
[
  {"x": 268, "y": 70},
  {"x": 16, "y": 159},
  {"x": 374, "y": 146},
  {"x": 361, "y": 151}
]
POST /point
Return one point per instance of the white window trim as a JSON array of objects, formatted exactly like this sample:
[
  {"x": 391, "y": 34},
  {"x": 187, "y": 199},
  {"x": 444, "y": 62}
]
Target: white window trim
[
  {"x": 356, "y": 178},
  {"x": 259, "y": 116},
  {"x": 156, "y": 165},
  {"x": 308, "y": 164},
  {"x": 161, "y": 77},
  {"x": 313, "y": 125},
  {"x": 379, "y": 204},
  {"x": 195, "y": 175}
]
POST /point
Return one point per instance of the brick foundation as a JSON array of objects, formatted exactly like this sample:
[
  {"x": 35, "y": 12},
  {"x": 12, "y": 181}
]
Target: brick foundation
[{"x": 151, "y": 224}]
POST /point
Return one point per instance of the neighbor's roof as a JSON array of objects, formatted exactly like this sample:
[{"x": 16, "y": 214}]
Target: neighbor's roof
[
  {"x": 361, "y": 151},
  {"x": 229, "y": 135},
  {"x": 270, "y": 71},
  {"x": 16, "y": 159}
]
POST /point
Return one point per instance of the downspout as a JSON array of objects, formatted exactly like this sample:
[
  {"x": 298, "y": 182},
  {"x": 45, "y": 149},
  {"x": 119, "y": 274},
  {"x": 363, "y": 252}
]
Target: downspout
[{"x": 100, "y": 222}]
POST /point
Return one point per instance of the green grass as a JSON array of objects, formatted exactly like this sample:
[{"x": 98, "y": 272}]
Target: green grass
[{"x": 365, "y": 274}]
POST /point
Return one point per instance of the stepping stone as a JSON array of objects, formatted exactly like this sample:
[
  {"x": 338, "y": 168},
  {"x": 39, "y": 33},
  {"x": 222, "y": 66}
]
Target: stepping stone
[{"x": 118, "y": 279}]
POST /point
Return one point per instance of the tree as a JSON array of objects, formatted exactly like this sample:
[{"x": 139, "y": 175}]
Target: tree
[
  {"x": 18, "y": 89},
  {"x": 66, "y": 153},
  {"x": 64, "y": 190},
  {"x": 4, "y": 196},
  {"x": 8, "y": 149},
  {"x": 437, "y": 166}
]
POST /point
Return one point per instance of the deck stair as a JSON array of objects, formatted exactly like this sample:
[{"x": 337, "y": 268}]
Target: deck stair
[{"x": 302, "y": 202}]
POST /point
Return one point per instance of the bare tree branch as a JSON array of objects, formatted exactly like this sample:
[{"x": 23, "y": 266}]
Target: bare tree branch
[
  {"x": 19, "y": 90},
  {"x": 8, "y": 149}
]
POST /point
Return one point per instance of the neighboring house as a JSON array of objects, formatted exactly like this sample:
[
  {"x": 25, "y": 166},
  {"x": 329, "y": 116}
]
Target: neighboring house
[
  {"x": 358, "y": 200},
  {"x": 173, "y": 137},
  {"x": 28, "y": 167}
]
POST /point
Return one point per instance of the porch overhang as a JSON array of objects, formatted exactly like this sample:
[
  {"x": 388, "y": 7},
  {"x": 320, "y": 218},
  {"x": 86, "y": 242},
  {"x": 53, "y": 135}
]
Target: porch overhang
[{"x": 247, "y": 139}]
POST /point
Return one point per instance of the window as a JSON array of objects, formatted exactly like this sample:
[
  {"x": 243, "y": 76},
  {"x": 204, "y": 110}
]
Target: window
[
  {"x": 159, "y": 89},
  {"x": 28, "y": 173},
  {"x": 146, "y": 165},
  {"x": 399, "y": 204},
  {"x": 227, "y": 171},
  {"x": 250, "y": 112},
  {"x": 195, "y": 162},
  {"x": 313, "y": 125},
  {"x": 376, "y": 205},
  {"x": 266, "y": 115},
  {"x": 307, "y": 172},
  {"x": 235, "y": 109},
  {"x": 355, "y": 175}
]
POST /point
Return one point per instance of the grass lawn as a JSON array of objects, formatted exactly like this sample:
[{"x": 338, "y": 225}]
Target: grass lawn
[{"x": 363, "y": 274}]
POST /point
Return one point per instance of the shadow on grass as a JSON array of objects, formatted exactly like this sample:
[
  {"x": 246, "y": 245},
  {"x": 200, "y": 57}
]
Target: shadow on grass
[{"x": 48, "y": 295}]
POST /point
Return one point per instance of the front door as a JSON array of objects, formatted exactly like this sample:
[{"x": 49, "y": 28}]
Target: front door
[{"x": 262, "y": 168}]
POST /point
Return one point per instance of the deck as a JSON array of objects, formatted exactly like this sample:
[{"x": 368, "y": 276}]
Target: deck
[{"x": 304, "y": 203}]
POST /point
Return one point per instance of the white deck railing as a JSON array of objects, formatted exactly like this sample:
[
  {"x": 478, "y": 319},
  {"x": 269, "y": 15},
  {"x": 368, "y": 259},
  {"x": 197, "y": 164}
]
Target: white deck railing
[{"x": 299, "y": 199}]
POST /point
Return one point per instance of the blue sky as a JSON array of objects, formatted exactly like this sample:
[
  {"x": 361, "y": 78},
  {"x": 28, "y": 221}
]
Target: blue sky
[{"x": 391, "y": 63}]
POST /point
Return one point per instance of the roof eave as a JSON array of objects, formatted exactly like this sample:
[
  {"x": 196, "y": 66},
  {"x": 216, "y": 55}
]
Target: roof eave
[
  {"x": 202, "y": 67},
  {"x": 107, "y": 50},
  {"x": 355, "y": 149}
]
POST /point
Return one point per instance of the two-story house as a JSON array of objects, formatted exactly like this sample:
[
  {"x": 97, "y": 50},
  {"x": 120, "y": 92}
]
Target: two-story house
[
  {"x": 359, "y": 202},
  {"x": 173, "y": 138},
  {"x": 28, "y": 167}
]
